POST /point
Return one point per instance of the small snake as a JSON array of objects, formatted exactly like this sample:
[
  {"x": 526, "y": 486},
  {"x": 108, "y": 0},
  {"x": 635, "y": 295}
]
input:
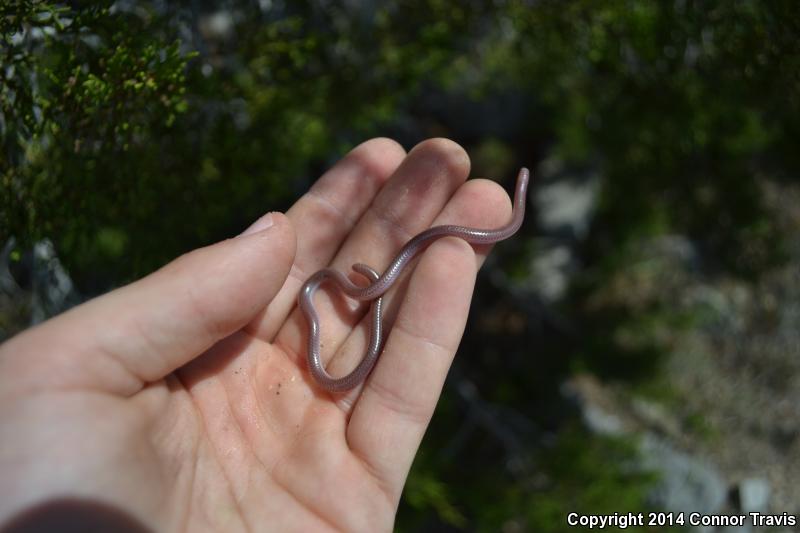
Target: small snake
[{"x": 382, "y": 283}]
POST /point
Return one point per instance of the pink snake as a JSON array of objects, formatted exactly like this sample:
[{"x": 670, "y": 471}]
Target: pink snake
[{"x": 382, "y": 283}]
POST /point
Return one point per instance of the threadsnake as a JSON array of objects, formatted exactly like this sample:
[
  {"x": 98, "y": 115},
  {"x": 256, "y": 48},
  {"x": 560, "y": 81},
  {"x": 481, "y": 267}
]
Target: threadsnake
[{"x": 379, "y": 284}]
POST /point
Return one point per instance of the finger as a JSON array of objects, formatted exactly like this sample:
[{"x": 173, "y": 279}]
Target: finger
[
  {"x": 477, "y": 204},
  {"x": 406, "y": 205},
  {"x": 139, "y": 333},
  {"x": 395, "y": 406},
  {"x": 324, "y": 217}
]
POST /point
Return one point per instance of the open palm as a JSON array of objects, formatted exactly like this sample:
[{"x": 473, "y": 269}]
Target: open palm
[{"x": 182, "y": 401}]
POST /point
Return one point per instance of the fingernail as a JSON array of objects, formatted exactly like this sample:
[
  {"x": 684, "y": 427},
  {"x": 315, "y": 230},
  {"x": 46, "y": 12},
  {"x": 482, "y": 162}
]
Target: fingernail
[{"x": 260, "y": 224}]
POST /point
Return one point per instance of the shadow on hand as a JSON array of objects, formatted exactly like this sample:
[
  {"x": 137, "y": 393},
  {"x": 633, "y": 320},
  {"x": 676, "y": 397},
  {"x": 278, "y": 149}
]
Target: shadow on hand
[{"x": 68, "y": 515}]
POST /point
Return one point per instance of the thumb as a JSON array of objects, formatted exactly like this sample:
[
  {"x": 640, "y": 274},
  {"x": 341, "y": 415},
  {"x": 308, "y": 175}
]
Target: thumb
[{"x": 141, "y": 332}]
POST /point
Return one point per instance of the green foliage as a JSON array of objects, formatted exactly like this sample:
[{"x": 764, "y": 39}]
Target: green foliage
[
  {"x": 424, "y": 490},
  {"x": 126, "y": 130},
  {"x": 577, "y": 473},
  {"x": 683, "y": 104},
  {"x": 99, "y": 94},
  {"x": 594, "y": 477}
]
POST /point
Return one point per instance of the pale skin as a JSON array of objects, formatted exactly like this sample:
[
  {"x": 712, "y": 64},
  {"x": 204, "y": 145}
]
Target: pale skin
[{"x": 183, "y": 400}]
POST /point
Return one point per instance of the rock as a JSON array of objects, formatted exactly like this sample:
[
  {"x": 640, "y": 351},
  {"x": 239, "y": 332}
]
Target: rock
[
  {"x": 602, "y": 422},
  {"x": 551, "y": 271},
  {"x": 686, "y": 484},
  {"x": 565, "y": 200},
  {"x": 53, "y": 290},
  {"x": 566, "y": 206},
  {"x": 596, "y": 405},
  {"x": 753, "y": 495},
  {"x": 45, "y": 290},
  {"x": 219, "y": 25},
  {"x": 656, "y": 418}
]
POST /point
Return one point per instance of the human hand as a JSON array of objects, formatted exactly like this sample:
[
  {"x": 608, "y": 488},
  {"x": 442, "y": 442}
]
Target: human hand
[{"x": 183, "y": 402}]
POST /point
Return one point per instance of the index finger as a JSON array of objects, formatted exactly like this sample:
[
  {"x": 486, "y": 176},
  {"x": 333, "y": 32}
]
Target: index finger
[{"x": 324, "y": 217}]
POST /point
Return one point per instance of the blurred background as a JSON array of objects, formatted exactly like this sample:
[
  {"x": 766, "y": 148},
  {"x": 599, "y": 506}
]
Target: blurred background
[{"x": 634, "y": 349}]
